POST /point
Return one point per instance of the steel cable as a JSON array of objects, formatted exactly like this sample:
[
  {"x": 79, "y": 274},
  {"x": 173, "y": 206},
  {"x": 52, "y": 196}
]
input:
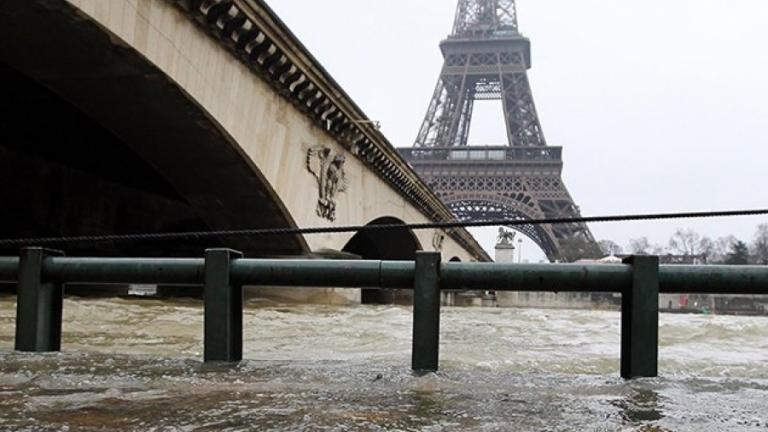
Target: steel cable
[{"x": 261, "y": 232}]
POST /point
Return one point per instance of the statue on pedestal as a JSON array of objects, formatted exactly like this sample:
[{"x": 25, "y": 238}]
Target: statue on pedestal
[{"x": 505, "y": 237}]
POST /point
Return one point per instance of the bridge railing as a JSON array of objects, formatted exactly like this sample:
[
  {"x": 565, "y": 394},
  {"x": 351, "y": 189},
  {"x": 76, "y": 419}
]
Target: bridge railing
[{"x": 41, "y": 274}]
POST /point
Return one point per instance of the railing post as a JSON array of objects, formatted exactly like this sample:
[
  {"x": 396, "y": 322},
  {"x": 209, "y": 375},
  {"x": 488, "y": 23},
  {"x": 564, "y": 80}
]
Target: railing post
[
  {"x": 39, "y": 304},
  {"x": 426, "y": 312},
  {"x": 223, "y": 302},
  {"x": 640, "y": 319}
]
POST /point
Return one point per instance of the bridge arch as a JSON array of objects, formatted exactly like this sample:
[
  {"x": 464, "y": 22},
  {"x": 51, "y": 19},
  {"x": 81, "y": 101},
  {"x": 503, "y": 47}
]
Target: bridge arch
[
  {"x": 399, "y": 244},
  {"x": 135, "y": 163},
  {"x": 230, "y": 102}
]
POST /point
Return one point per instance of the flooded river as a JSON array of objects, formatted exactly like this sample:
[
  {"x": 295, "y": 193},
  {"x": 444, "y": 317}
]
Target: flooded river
[{"x": 136, "y": 365}]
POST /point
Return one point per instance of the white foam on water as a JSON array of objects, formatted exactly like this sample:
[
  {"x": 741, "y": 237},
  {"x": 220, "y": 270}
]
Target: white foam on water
[{"x": 135, "y": 365}]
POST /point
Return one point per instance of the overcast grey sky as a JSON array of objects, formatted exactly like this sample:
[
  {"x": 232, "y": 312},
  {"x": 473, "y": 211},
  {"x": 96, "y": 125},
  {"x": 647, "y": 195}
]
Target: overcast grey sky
[{"x": 660, "y": 105}]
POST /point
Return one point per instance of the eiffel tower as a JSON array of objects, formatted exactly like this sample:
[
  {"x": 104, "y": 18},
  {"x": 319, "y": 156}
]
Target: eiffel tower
[{"x": 486, "y": 58}]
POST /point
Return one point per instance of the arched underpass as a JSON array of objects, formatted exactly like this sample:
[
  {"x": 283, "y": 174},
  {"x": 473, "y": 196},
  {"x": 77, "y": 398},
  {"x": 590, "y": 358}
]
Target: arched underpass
[
  {"x": 64, "y": 174},
  {"x": 94, "y": 139},
  {"x": 391, "y": 244}
]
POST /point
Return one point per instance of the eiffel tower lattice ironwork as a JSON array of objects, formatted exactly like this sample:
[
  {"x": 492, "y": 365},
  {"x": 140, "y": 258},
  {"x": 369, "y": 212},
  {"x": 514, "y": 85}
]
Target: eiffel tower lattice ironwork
[{"x": 486, "y": 58}]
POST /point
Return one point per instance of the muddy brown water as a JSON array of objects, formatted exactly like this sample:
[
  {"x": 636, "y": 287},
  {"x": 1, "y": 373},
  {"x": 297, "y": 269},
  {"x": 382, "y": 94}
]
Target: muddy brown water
[{"x": 136, "y": 365}]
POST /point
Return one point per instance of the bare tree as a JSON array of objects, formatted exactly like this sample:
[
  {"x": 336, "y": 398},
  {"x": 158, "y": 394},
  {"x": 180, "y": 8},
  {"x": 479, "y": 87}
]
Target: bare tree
[
  {"x": 610, "y": 247},
  {"x": 685, "y": 242},
  {"x": 640, "y": 246},
  {"x": 760, "y": 245},
  {"x": 688, "y": 242},
  {"x": 721, "y": 248},
  {"x": 706, "y": 248}
]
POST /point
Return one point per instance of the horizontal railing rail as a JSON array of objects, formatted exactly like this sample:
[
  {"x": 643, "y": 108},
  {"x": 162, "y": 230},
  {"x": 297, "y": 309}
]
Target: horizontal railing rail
[
  {"x": 597, "y": 278},
  {"x": 41, "y": 275}
]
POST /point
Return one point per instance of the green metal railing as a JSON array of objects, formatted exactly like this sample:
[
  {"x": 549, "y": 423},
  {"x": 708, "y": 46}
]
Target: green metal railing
[{"x": 42, "y": 273}]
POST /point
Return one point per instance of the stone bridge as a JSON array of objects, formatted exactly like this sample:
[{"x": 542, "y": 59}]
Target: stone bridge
[{"x": 163, "y": 115}]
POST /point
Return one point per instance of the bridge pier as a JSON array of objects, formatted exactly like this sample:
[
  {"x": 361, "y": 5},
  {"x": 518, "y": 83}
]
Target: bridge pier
[
  {"x": 640, "y": 319},
  {"x": 39, "y": 304}
]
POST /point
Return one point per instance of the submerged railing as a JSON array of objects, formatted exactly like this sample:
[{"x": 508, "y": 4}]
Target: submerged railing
[{"x": 42, "y": 273}]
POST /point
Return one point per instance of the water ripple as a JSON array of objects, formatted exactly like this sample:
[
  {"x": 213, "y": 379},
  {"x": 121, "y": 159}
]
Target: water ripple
[{"x": 136, "y": 366}]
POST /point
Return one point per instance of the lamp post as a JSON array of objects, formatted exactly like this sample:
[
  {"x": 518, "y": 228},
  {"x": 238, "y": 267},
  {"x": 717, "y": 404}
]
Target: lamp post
[{"x": 520, "y": 251}]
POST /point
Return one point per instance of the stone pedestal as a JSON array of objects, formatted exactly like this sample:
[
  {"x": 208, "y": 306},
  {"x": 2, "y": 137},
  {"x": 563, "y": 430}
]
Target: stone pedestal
[{"x": 505, "y": 253}]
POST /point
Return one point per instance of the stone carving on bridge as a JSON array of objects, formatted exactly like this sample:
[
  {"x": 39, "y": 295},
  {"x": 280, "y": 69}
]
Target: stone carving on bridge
[
  {"x": 506, "y": 237},
  {"x": 437, "y": 240},
  {"x": 328, "y": 168}
]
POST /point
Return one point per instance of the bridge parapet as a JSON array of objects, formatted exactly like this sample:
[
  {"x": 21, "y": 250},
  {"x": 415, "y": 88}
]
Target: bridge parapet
[{"x": 252, "y": 32}]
